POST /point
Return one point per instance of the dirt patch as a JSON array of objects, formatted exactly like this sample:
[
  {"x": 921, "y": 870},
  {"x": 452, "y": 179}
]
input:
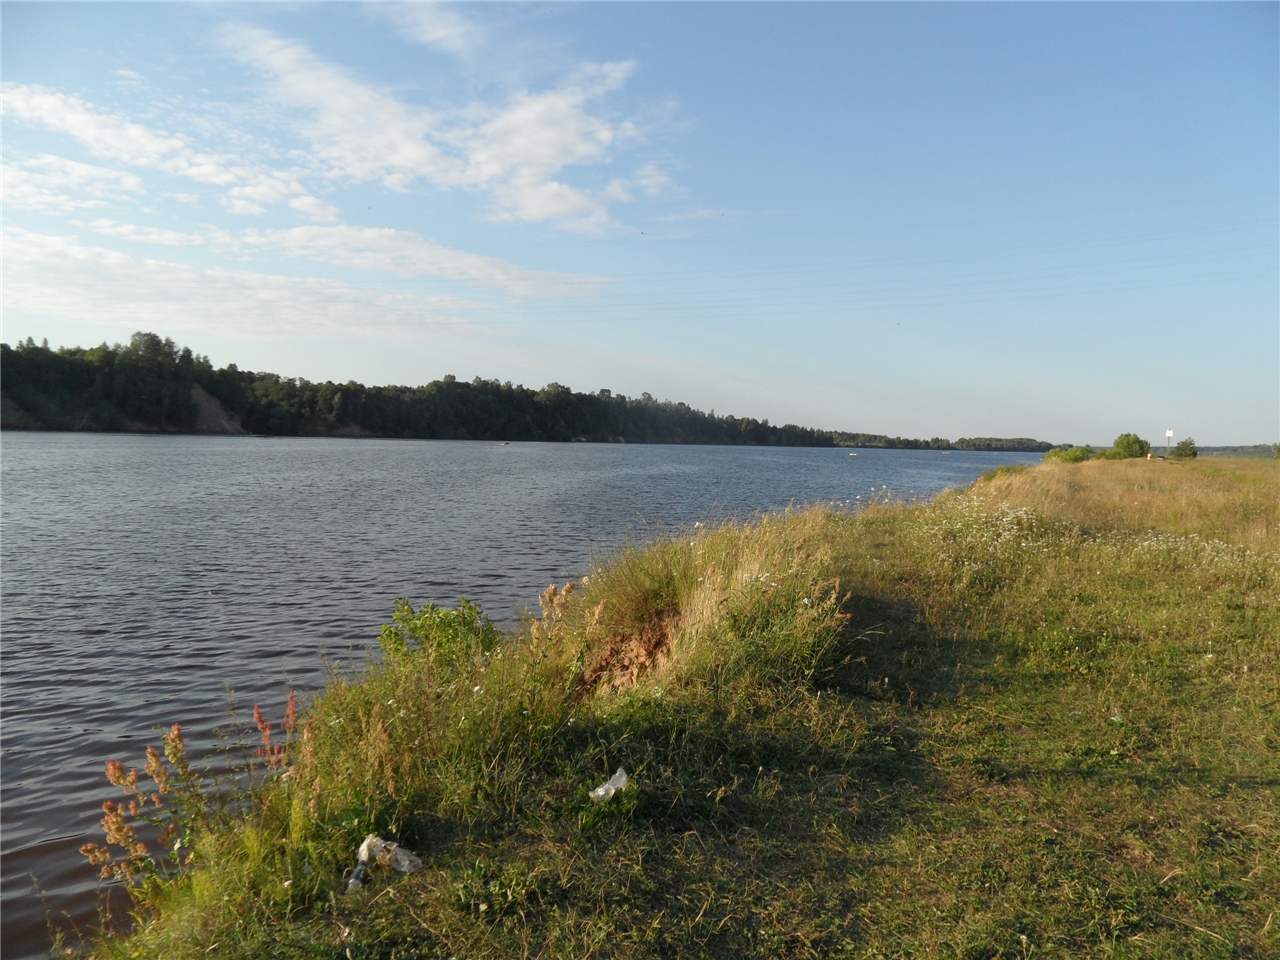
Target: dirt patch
[
  {"x": 13, "y": 417},
  {"x": 211, "y": 416},
  {"x": 623, "y": 659}
]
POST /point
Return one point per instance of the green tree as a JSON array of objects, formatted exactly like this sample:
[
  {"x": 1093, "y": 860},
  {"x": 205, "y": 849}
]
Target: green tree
[
  {"x": 1184, "y": 450},
  {"x": 1128, "y": 446}
]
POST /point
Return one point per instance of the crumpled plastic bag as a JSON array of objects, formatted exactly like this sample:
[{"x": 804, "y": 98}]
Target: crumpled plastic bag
[
  {"x": 609, "y": 787},
  {"x": 385, "y": 854}
]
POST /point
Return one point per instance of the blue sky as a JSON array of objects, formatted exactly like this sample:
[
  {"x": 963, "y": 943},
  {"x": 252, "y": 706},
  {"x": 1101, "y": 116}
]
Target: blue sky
[{"x": 1044, "y": 220}]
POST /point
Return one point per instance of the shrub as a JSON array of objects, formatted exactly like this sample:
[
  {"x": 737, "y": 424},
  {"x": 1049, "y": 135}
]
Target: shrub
[
  {"x": 1185, "y": 450},
  {"x": 1069, "y": 455}
]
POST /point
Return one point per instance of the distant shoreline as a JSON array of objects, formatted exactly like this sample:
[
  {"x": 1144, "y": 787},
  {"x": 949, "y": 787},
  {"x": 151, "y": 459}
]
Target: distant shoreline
[{"x": 154, "y": 386}]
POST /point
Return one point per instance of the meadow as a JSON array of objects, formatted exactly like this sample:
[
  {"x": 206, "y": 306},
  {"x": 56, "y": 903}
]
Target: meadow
[{"x": 1039, "y": 716}]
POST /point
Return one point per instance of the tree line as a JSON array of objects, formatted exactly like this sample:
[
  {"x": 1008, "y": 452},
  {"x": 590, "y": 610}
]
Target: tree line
[{"x": 148, "y": 385}]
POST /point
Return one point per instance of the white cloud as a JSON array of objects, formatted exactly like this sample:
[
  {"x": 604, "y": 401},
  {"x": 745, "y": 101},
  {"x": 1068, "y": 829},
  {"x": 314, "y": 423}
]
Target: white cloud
[
  {"x": 514, "y": 152},
  {"x": 652, "y": 180},
  {"x": 407, "y": 254},
  {"x": 113, "y": 137},
  {"x": 314, "y": 208},
  {"x": 432, "y": 25},
  {"x": 358, "y": 132},
  {"x": 55, "y": 276},
  {"x": 131, "y": 231},
  {"x": 245, "y": 208},
  {"x": 52, "y": 184},
  {"x": 522, "y": 146}
]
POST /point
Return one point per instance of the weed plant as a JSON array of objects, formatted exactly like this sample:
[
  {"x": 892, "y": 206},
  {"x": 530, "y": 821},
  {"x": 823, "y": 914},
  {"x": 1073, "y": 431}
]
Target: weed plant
[{"x": 1007, "y": 723}]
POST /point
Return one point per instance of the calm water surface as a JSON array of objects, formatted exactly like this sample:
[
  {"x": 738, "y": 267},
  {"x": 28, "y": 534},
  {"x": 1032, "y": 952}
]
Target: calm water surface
[{"x": 148, "y": 580}]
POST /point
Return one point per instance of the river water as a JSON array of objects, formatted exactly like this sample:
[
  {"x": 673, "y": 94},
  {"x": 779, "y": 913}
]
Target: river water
[{"x": 151, "y": 580}]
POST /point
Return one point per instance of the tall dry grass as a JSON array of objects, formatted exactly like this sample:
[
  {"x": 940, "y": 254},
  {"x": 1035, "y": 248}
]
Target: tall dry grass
[{"x": 1233, "y": 500}]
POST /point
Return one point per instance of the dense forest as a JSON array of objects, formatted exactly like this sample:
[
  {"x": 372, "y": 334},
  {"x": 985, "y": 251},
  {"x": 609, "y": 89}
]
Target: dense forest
[{"x": 153, "y": 385}]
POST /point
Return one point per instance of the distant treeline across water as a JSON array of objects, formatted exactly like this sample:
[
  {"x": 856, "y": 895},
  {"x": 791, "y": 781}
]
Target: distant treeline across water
[{"x": 153, "y": 385}]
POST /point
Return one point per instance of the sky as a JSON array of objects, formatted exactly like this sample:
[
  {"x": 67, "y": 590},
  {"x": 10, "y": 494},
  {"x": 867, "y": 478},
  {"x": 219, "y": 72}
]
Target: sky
[{"x": 1056, "y": 221}]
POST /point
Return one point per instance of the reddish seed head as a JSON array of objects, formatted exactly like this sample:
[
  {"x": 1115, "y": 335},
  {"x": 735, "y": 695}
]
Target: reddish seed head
[
  {"x": 96, "y": 853},
  {"x": 157, "y": 771},
  {"x": 291, "y": 714},
  {"x": 128, "y": 782},
  {"x": 176, "y": 750}
]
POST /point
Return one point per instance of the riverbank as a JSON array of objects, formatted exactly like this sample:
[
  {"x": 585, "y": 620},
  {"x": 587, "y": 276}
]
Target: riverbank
[{"x": 1034, "y": 715}]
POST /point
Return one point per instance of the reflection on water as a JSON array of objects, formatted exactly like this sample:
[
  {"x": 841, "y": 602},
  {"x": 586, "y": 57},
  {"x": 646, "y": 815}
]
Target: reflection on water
[{"x": 149, "y": 580}]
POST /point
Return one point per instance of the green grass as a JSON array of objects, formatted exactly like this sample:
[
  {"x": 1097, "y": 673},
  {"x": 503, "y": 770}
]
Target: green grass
[{"x": 966, "y": 729}]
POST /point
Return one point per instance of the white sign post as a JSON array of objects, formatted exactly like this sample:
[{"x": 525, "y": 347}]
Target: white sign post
[{"x": 1168, "y": 435}]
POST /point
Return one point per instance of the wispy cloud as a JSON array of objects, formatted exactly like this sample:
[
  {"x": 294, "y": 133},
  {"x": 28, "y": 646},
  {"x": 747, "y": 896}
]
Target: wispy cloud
[
  {"x": 431, "y": 24},
  {"x": 52, "y": 184},
  {"x": 57, "y": 276},
  {"x": 514, "y": 152},
  {"x": 129, "y": 79},
  {"x": 357, "y": 132},
  {"x": 407, "y": 254},
  {"x": 142, "y": 234},
  {"x": 109, "y": 136}
]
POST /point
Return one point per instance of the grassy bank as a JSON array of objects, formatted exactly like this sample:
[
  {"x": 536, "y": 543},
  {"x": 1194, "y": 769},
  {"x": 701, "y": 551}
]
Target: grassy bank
[{"x": 1034, "y": 718}]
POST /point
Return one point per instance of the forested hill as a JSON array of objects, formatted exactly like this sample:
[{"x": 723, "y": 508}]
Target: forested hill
[{"x": 153, "y": 385}]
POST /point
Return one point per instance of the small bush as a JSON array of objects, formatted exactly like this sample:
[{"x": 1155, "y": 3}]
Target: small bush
[
  {"x": 1185, "y": 450},
  {"x": 1069, "y": 455},
  {"x": 446, "y": 638}
]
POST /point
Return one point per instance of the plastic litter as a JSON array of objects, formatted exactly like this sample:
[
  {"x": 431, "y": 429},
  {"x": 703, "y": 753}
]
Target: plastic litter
[
  {"x": 384, "y": 853},
  {"x": 609, "y": 787}
]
